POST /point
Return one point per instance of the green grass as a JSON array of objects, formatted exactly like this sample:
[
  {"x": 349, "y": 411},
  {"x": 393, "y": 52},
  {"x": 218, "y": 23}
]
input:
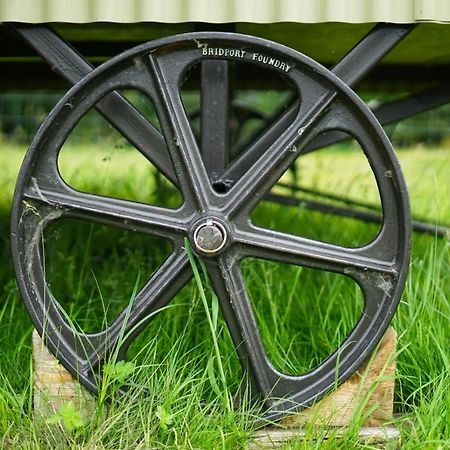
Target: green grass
[{"x": 183, "y": 367}]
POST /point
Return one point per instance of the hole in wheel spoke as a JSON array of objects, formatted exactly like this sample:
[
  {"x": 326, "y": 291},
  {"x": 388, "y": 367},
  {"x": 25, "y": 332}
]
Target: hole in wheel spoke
[
  {"x": 97, "y": 159},
  {"x": 92, "y": 270},
  {"x": 328, "y": 195},
  {"x": 303, "y": 315}
]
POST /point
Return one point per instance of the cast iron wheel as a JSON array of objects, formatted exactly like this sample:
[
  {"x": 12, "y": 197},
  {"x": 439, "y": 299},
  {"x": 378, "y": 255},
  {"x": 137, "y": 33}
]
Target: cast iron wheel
[{"x": 217, "y": 224}]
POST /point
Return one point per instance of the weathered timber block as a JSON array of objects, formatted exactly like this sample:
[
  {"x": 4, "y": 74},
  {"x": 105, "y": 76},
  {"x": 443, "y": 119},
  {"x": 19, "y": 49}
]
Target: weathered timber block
[
  {"x": 368, "y": 396},
  {"x": 369, "y": 392},
  {"x": 53, "y": 386}
]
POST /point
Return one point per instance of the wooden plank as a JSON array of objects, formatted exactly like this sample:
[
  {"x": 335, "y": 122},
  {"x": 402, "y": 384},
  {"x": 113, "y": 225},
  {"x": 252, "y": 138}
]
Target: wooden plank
[{"x": 378, "y": 437}]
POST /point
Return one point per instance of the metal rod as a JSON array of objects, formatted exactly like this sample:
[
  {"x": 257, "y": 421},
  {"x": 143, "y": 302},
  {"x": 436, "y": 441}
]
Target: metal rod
[
  {"x": 367, "y": 216},
  {"x": 68, "y": 63},
  {"x": 369, "y": 51},
  {"x": 337, "y": 198},
  {"x": 393, "y": 112}
]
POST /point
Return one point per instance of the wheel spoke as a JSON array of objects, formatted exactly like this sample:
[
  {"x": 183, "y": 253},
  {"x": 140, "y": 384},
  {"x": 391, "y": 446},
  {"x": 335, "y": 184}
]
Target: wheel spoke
[
  {"x": 83, "y": 351},
  {"x": 111, "y": 211},
  {"x": 191, "y": 174},
  {"x": 290, "y": 249},
  {"x": 248, "y": 158},
  {"x": 226, "y": 278},
  {"x": 244, "y": 196},
  {"x": 278, "y": 146},
  {"x": 159, "y": 290}
]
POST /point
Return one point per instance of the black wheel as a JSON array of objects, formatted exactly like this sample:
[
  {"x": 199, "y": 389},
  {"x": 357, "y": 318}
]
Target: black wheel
[{"x": 216, "y": 221}]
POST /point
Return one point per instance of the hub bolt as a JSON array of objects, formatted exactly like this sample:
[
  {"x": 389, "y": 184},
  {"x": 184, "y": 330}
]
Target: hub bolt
[{"x": 210, "y": 236}]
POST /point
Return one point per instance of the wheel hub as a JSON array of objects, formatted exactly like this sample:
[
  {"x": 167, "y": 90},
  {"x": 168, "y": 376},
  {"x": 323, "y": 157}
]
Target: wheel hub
[{"x": 210, "y": 236}]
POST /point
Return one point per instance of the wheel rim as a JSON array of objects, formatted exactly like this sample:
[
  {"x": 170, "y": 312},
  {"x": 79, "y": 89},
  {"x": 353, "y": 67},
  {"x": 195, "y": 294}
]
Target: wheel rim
[{"x": 156, "y": 68}]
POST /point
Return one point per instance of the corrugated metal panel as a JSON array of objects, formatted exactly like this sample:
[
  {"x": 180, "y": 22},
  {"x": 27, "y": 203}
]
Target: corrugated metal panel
[{"x": 259, "y": 11}]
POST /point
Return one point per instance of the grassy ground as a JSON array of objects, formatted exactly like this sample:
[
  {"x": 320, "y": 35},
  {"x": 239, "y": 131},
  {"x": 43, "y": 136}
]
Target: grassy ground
[{"x": 303, "y": 314}]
